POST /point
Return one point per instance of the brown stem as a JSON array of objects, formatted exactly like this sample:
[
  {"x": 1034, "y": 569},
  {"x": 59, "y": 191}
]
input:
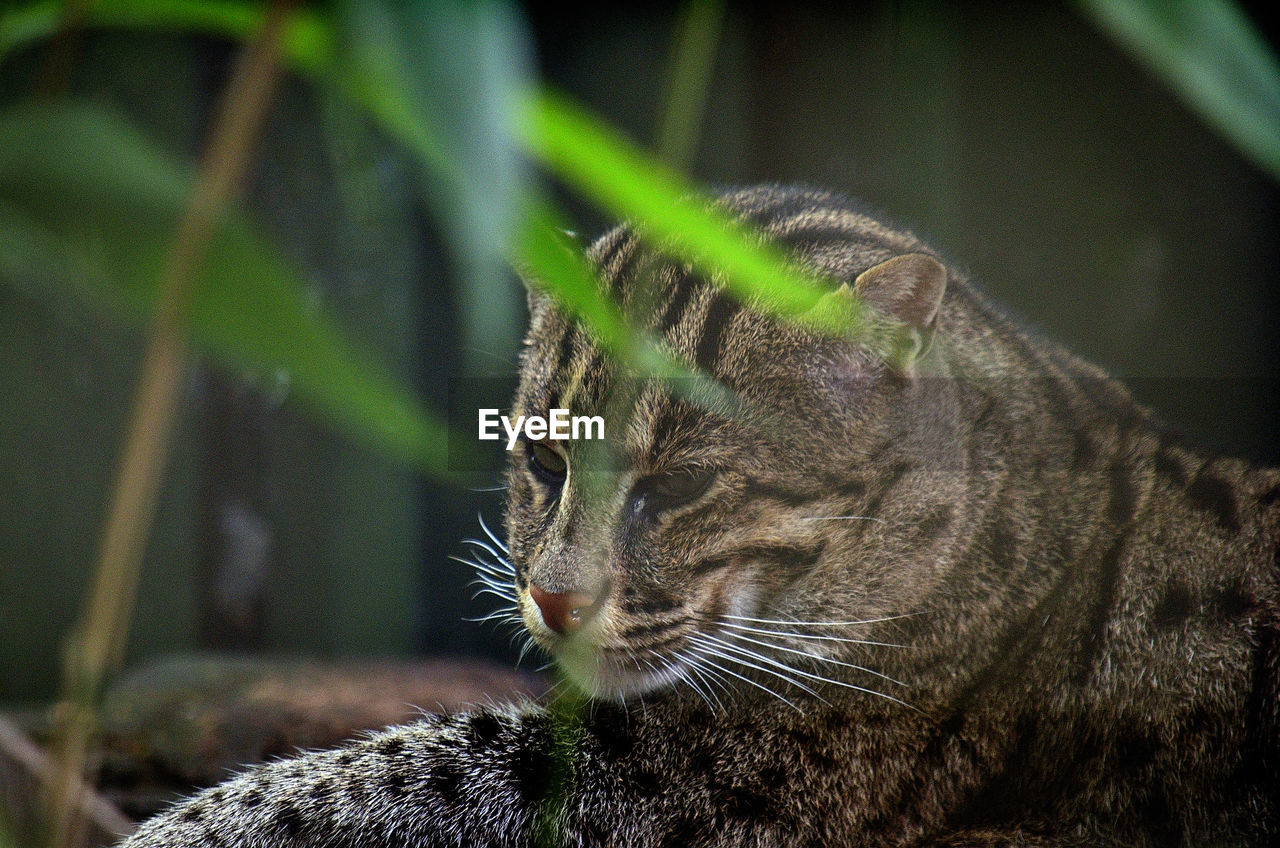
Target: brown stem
[{"x": 100, "y": 639}]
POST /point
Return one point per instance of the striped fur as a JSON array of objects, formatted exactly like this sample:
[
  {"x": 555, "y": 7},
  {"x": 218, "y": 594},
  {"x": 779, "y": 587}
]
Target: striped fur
[{"x": 972, "y": 595}]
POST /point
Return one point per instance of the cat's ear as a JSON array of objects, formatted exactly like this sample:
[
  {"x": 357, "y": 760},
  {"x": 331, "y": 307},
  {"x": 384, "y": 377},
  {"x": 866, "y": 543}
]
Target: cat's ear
[{"x": 908, "y": 288}]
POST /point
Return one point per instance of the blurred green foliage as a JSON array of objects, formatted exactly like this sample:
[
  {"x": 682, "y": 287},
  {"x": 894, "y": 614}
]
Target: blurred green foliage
[
  {"x": 1212, "y": 55},
  {"x": 88, "y": 207}
]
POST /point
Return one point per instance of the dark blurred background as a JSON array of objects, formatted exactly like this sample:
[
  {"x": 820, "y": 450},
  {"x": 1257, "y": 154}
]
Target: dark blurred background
[{"x": 1016, "y": 138}]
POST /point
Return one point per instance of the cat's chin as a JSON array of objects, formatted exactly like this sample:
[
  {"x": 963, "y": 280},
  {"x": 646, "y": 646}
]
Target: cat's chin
[{"x": 599, "y": 676}]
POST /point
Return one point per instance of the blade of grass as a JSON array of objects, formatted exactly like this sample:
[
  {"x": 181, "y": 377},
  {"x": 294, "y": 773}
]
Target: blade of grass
[
  {"x": 1212, "y": 56},
  {"x": 543, "y": 256},
  {"x": 98, "y": 645},
  {"x": 688, "y": 81}
]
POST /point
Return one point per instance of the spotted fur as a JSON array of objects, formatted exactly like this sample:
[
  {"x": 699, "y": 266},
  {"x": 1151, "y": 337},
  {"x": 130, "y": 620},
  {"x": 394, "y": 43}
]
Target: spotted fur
[{"x": 950, "y": 586}]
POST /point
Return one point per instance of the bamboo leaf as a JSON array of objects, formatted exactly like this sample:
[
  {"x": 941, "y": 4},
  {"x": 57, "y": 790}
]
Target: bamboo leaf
[
  {"x": 1212, "y": 55},
  {"x": 87, "y": 206},
  {"x": 576, "y": 147},
  {"x": 450, "y": 75}
]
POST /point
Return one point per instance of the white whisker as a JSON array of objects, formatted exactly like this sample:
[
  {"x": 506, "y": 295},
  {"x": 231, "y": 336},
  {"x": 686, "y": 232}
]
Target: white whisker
[
  {"x": 525, "y": 648},
  {"x": 491, "y": 535},
  {"x": 843, "y": 518},
  {"x": 500, "y": 615},
  {"x": 703, "y": 658},
  {"x": 815, "y": 677},
  {"x": 776, "y": 667},
  {"x": 705, "y": 695},
  {"x": 821, "y": 623},
  {"x": 485, "y": 546},
  {"x": 503, "y": 593},
  {"x": 492, "y": 569},
  {"x": 495, "y": 575},
  {"x": 676, "y": 670},
  {"x": 817, "y": 657},
  {"x": 494, "y": 581},
  {"x": 497, "y": 567},
  {"x": 497, "y": 593},
  {"x": 687, "y": 669},
  {"x": 552, "y": 692},
  {"x": 490, "y": 579},
  {"x": 719, "y": 647},
  {"x": 809, "y": 636}
]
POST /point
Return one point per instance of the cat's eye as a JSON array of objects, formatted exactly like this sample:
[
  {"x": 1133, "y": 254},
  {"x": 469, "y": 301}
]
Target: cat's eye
[
  {"x": 547, "y": 465},
  {"x": 679, "y": 487}
]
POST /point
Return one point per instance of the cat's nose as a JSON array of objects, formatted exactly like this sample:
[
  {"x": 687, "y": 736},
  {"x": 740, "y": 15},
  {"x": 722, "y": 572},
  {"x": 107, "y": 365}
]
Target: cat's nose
[{"x": 564, "y": 612}]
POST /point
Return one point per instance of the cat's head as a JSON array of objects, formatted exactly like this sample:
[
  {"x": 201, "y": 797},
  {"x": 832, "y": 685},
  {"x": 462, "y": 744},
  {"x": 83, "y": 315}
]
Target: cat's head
[{"x": 696, "y": 539}]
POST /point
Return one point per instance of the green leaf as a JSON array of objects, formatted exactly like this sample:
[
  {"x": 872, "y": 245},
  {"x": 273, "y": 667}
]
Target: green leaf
[
  {"x": 669, "y": 212},
  {"x": 576, "y": 147},
  {"x": 688, "y": 80},
  {"x": 450, "y": 76},
  {"x": 562, "y": 269},
  {"x": 307, "y": 42},
  {"x": 88, "y": 207},
  {"x": 1212, "y": 55}
]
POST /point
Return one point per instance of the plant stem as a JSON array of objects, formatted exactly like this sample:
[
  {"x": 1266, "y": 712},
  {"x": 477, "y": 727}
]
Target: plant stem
[{"x": 98, "y": 645}]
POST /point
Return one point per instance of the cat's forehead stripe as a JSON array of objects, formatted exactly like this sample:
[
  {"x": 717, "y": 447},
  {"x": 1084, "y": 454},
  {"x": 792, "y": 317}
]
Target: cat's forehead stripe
[
  {"x": 574, "y": 369},
  {"x": 667, "y": 419},
  {"x": 604, "y": 253},
  {"x": 565, "y": 347},
  {"x": 841, "y": 223},
  {"x": 620, "y": 270},
  {"x": 614, "y": 258},
  {"x": 720, "y": 313},
  {"x": 673, "y": 312}
]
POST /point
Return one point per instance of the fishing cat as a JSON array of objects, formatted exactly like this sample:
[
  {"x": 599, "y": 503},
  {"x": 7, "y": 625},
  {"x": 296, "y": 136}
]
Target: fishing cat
[{"x": 943, "y": 585}]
